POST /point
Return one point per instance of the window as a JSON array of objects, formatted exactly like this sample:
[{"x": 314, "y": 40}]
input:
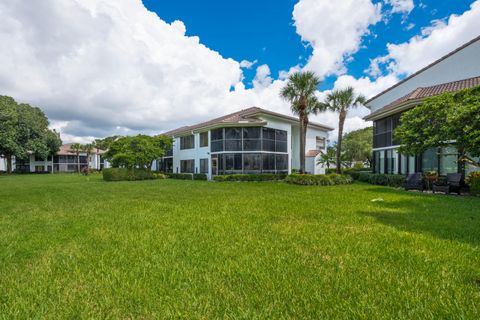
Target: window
[
  {"x": 320, "y": 143},
  {"x": 217, "y": 146},
  {"x": 252, "y": 145},
  {"x": 251, "y": 133},
  {"x": 430, "y": 160},
  {"x": 217, "y": 134},
  {"x": 281, "y": 162},
  {"x": 448, "y": 161},
  {"x": 392, "y": 161},
  {"x": 187, "y": 166},
  {"x": 233, "y": 133},
  {"x": 187, "y": 142},
  {"x": 204, "y": 165},
  {"x": 383, "y": 131},
  {"x": 39, "y": 168},
  {"x": 165, "y": 165},
  {"x": 281, "y": 146},
  {"x": 203, "y": 139},
  {"x": 280, "y": 135},
  {"x": 252, "y": 162},
  {"x": 268, "y": 161},
  {"x": 233, "y": 145}
]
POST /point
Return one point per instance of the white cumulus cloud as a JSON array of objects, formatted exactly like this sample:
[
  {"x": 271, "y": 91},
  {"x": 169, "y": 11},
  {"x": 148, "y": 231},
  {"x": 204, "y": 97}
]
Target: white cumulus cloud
[
  {"x": 334, "y": 29},
  {"x": 401, "y": 6},
  {"x": 435, "y": 41}
]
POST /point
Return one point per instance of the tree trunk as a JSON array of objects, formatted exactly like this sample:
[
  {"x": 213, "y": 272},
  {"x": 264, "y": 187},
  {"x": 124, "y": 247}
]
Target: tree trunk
[
  {"x": 341, "y": 122},
  {"x": 9, "y": 164},
  {"x": 302, "y": 143},
  {"x": 78, "y": 162}
]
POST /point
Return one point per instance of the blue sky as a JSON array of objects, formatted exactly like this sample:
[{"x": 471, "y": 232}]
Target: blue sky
[
  {"x": 264, "y": 30},
  {"x": 128, "y": 67}
]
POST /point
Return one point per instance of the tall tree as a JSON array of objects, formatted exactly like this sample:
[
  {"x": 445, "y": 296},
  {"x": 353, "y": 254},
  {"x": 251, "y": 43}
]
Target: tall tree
[
  {"x": 76, "y": 148},
  {"x": 88, "y": 149},
  {"x": 341, "y": 101},
  {"x": 24, "y": 131},
  {"x": 104, "y": 143},
  {"x": 357, "y": 145},
  {"x": 138, "y": 151},
  {"x": 441, "y": 121},
  {"x": 300, "y": 93}
]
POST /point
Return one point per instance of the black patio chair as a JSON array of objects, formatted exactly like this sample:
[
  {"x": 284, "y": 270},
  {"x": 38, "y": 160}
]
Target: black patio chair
[
  {"x": 455, "y": 182},
  {"x": 414, "y": 181}
]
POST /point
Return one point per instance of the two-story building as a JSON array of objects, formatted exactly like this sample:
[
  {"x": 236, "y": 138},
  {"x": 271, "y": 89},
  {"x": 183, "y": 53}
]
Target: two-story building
[
  {"x": 460, "y": 69},
  {"x": 253, "y": 140}
]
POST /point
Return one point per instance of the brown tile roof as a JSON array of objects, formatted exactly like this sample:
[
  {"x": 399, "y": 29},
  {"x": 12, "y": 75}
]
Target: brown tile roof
[
  {"x": 425, "y": 68},
  {"x": 65, "y": 150},
  {"x": 245, "y": 116},
  {"x": 422, "y": 93},
  {"x": 312, "y": 153}
]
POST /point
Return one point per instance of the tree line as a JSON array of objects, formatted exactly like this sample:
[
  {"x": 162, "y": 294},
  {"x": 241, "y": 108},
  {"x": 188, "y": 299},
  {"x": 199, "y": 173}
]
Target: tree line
[{"x": 24, "y": 131}]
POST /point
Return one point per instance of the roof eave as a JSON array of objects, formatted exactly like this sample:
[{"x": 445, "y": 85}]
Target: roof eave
[{"x": 401, "y": 107}]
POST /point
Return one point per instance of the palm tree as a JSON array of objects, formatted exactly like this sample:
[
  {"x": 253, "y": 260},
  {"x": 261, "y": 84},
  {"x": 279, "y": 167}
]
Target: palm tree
[
  {"x": 88, "y": 149},
  {"x": 300, "y": 92},
  {"x": 327, "y": 158},
  {"x": 76, "y": 148},
  {"x": 341, "y": 101}
]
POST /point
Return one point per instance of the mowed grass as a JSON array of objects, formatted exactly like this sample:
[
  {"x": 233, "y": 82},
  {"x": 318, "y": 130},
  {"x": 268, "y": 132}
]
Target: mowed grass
[{"x": 78, "y": 247}]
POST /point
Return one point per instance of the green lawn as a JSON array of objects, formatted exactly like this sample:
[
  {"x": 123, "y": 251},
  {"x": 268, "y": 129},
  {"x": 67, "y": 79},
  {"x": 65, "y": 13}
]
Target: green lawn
[{"x": 78, "y": 247}]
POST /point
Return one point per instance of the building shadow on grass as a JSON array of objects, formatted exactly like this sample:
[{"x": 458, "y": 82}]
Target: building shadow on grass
[{"x": 445, "y": 217}]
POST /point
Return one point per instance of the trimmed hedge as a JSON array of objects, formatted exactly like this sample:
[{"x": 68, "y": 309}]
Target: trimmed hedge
[
  {"x": 180, "y": 176},
  {"x": 124, "y": 174},
  {"x": 251, "y": 177},
  {"x": 390, "y": 180},
  {"x": 200, "y": 176},
  {"x": 187, "y": 176},
  {"x": 319, "y": 179}
]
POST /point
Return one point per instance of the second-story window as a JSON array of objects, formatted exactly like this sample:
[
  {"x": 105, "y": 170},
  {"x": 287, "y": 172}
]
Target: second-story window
[
  {"x": 203, "y": 139},
  {"x": 320, "y": 143},
  {"x": 187, "y": 142}
]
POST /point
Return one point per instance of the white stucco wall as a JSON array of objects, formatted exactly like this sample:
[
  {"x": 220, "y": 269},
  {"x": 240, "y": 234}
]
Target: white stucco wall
[
  {"x": 292, "y": 130},
  {"x": 461, "y": 65},
  {"x": 3, "y": 164}
]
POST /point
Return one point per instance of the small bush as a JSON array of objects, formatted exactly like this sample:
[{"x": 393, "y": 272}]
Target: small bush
[
  {"x": 319, "y": 179},
  {"x": 390, "y": 180},
  {"x": 180, "y": 176},
  {"x": 160, "y": 175},
  {"x": 124, "y": 174},
  {"x": 251, "y": 177},
  {"x": 199, "y": 176},
  {"x": 330, "y": 170},
  {"x": 473, "y": 181}
]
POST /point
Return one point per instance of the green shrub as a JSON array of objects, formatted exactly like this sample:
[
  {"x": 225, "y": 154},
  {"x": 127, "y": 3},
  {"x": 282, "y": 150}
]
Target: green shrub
[
  {"x": 160, "y": 175},
  {"x": 124, "y": 174},
  {"x": 319, "y": 179},
  {"x": 355, "y": 173},
  {"x": 391, "y": 180},
  {"x": 200, "y": 176},
  {"x": 329, "y": 170},
  {"x": 180, "y": 176},
  {"x": 251, "y": 177},
  {"x": 473, "y": 181}
]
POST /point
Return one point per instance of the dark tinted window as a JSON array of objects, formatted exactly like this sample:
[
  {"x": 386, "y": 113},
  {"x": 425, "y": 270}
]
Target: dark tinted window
[
  {"x": 281, "y": 162},
  {"x": 281, "y": 146},
  {"x": 251, "y": 162},
  {"x": 281, "y": 135},
  {"x": 268, "y": 145},
  {"x": 251, "y": 133},
  {"x": 268, "y": 133},
  {"x": 233, "y": 133},
  {"x": 233, "y": 145},
  {"x": 204, "y": 139},
  {"x": 252, "y": 145},
  {"x": 268, "y": 161},
  {"x": 217, "y": 146},
  {"x": 217, "y": 134}
]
